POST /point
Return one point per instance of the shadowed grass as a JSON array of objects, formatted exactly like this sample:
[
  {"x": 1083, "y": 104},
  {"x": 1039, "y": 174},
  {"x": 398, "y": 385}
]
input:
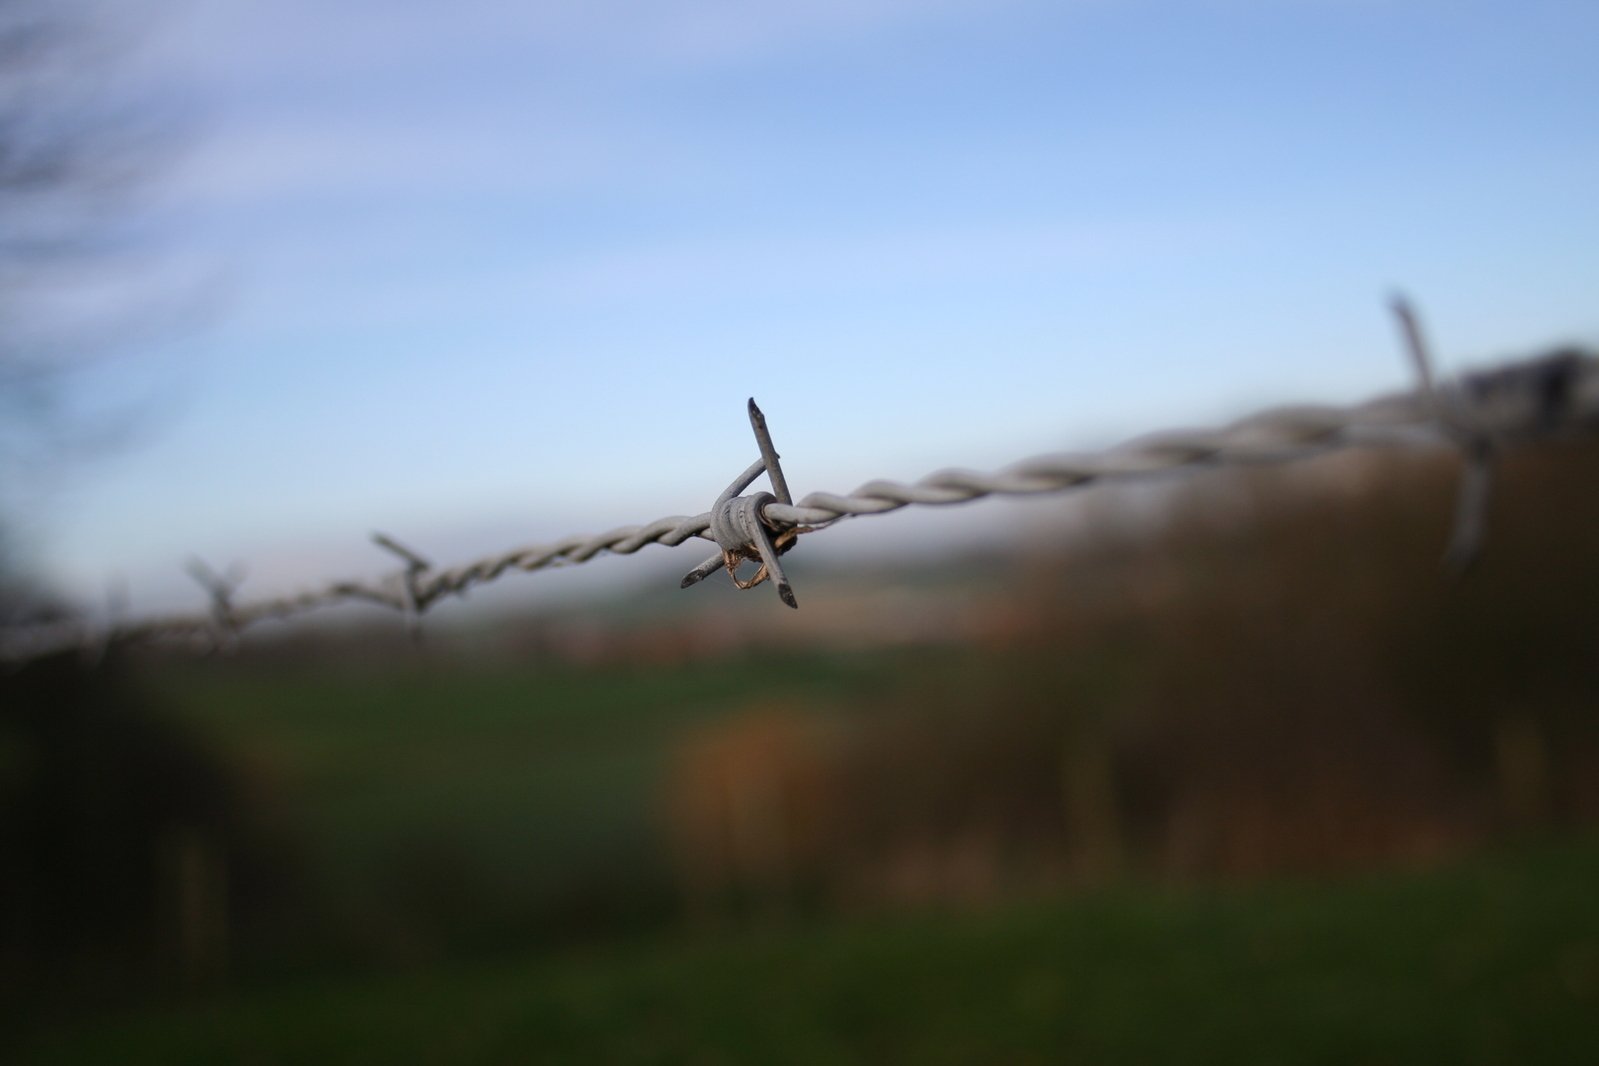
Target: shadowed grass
[{"x": 1497, "y": 961}]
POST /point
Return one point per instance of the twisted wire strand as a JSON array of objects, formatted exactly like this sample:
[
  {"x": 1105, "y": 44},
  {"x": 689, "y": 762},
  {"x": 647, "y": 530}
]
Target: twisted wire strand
[{"x": 1510, "y": 403}]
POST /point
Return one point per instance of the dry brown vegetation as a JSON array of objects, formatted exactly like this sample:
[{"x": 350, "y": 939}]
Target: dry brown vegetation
[{"x": 1277, "y": 676}]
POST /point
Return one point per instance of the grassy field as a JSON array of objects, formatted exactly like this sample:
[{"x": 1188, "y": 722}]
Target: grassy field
[
  {"x": 1493, "y": 961},
  {"x": 441, "y": 810}
]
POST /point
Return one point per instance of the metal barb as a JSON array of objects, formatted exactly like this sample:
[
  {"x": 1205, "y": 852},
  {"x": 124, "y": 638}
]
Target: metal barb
[
  {"x": 1471, "y": 508},
  {"x": 1415, "y": 347},
  {"x": 769, "y": 456},
  {"x": 1476, "y": 447},
  {"x": 740, "y": 525},
  {"x": 220, "y": 587},
  {"x": 412, "y": 599}
]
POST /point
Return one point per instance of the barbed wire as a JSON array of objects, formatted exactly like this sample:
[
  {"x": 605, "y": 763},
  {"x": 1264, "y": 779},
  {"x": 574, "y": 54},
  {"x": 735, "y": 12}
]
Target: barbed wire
[{"x": 1478, "y": 414}]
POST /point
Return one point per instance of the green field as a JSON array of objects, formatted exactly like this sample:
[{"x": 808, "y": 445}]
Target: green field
[
  {"x": 1494, "y": 961},
  {"x": 442, "y": 810}
]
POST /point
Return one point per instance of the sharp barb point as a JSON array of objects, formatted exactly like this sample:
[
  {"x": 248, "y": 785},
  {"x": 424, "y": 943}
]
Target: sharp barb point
[{"x": 702, "y": 571}]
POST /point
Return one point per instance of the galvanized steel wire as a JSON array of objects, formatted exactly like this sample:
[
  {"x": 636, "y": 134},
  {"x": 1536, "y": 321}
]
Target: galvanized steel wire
[{"x": 1477, "y": 414}]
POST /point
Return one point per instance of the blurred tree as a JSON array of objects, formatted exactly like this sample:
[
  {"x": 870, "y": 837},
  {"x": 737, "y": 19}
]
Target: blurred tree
[
  {"x": 130, "y": 856},
  {"x": 78, "y": 147}
]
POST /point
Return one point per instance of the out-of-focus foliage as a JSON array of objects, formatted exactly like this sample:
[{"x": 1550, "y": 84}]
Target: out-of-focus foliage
[
  {"x": 131, "y": 858},
  {"x": 131, "y": 862},
  {"x": 78, "y": 150}
]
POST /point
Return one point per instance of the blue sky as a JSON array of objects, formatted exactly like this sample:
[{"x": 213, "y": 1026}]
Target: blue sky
[{"x": 493, "y": 272}]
